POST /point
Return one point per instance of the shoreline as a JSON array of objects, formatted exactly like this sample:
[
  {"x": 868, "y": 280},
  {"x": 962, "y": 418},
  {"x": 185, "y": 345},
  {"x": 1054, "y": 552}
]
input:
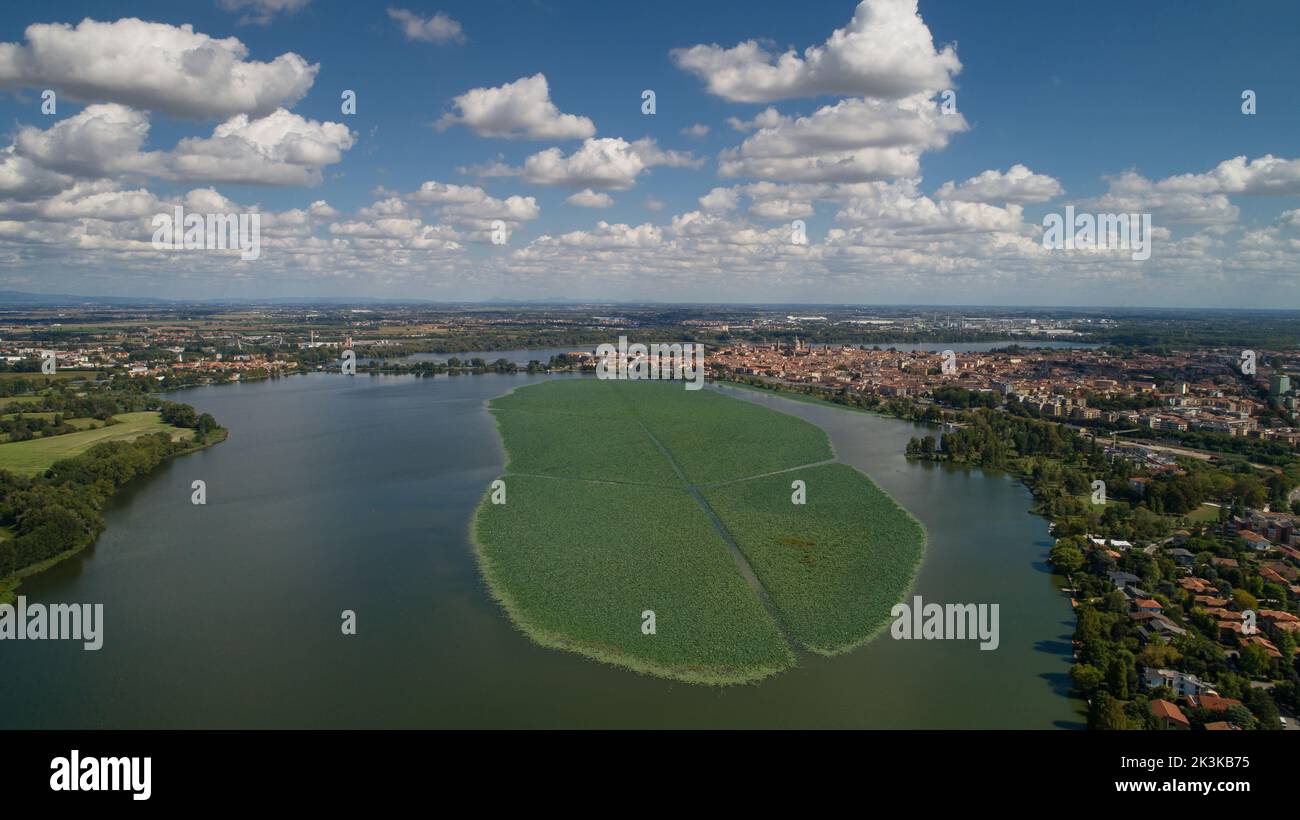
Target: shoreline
[
  {"x": 10, "y": 584},
  {"x": 1056, "y": 579}
]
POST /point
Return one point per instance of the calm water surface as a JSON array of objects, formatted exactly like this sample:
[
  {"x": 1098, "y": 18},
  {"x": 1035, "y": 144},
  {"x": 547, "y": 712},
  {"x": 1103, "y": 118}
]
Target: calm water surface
[{"x": 337, "y": 493}]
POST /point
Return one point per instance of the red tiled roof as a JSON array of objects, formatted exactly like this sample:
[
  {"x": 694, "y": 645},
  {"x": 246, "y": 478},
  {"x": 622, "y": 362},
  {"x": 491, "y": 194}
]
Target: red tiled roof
[
  {"x": 1213, "y": 702},
  {"x": 1165, "y": 710}
]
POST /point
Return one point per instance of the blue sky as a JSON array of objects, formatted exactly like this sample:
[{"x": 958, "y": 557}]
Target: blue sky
[{"x": 1074, "y": 94}]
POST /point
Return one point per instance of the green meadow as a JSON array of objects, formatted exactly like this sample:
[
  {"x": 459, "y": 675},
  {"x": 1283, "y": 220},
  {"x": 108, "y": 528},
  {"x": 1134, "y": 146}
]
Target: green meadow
[
  {"x": 612, "y": 488},
  {"x": 38, "y": 454}
]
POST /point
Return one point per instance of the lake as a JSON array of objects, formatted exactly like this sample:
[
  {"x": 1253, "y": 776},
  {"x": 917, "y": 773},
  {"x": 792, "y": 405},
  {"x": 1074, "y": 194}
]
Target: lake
[{"x": 355, "y": 493}]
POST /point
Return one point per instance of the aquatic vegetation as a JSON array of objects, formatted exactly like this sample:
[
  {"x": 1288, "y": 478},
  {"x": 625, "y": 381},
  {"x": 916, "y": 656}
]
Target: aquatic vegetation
[
  {"x": 577, "y": 563},
  {"x": 634, "y": 511},
  {"x": 833, "y": 566}
]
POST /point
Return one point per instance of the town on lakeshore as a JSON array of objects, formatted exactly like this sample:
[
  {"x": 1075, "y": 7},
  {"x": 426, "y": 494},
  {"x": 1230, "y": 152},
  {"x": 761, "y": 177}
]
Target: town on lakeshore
[
  {"x": 1208, "y": 393},
  {"x": 373, "y": 372},
  {"x": 1165, "y": 461}
]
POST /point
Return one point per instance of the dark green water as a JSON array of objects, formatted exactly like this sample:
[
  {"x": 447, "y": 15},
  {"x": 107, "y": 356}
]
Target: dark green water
[{"x": 338, "y": 493}]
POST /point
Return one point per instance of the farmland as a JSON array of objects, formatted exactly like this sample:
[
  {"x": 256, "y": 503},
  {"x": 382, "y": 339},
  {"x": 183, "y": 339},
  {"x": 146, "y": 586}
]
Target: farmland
[{"x": 610, "y": 486}]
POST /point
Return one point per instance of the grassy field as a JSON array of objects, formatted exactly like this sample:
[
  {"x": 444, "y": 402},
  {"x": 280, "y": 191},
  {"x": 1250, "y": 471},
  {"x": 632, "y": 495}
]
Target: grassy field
[
  {"x": 1204, "y": 514},
  {"x": 833, "y": 566},
  {"x": 30, "y": 457},
  {"x": 600, "y": 525}
]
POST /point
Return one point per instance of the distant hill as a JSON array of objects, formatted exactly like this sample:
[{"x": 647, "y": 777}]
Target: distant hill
[
  {"x": 22, "y": 298},
  {"x": 17, "y": 297}
]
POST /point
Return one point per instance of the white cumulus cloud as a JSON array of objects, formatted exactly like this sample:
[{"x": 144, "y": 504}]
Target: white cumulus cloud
[
  {"x": 153, "y": 66},
  {"x": 885, "y": 51},
  {"x": 518, "y": 110},
  {"x": 1018, "y": 184},
  {"x": 587, "y": 198},
  {"x": 608, "y": 163}
]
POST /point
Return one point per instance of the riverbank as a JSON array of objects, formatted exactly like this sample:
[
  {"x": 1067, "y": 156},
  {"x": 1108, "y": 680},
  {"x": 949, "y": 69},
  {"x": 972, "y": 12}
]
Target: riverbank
[
  {"x": 798, "y": 395},
  {"x": 1016, "y": 472},
  {"x": 10, "y": 584}
]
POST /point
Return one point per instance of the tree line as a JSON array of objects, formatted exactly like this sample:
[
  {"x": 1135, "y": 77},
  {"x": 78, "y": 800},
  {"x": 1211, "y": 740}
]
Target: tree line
[{"x": 59, "y": 511}]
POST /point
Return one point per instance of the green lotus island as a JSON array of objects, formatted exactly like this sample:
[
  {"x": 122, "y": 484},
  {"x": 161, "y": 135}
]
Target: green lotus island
[{"x": 642, "y": 525}]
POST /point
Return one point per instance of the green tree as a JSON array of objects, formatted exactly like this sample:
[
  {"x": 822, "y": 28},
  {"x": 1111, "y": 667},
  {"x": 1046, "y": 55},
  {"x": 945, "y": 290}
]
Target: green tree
[
  {"x": 1244, "y": 600},
  {"x": 1066, "y": 558},
  {"x": 1108, "y": 714},
  {"x": 1158, "y": 654},
  {"x": 1255, "y": 661},
  {"x": 1087, "y": 679},
  {"x": 1261, "y": 705},
  {"x": 1117, "y": 675},
  {"x": 1240, "y": 716}
]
